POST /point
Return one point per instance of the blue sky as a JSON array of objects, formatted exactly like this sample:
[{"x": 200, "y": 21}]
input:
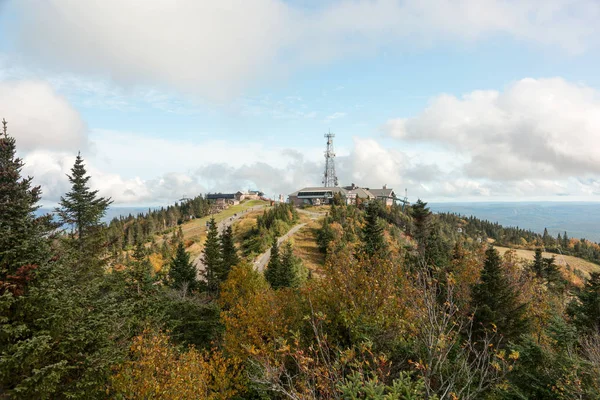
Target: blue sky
[{"x": 488, "y": 100}]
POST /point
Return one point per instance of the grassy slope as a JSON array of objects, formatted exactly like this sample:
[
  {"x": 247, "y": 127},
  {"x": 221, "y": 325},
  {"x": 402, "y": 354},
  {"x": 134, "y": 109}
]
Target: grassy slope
[
  {"x": 574, "y": 262},
  {"x": 305, "y": 245},
  {"x": 196, "y": 229}
]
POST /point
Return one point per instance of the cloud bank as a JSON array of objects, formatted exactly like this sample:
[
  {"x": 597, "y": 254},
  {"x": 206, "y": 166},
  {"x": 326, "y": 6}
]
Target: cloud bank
[
  {"x": 40, "y": 118},
  {"x": 219, "y": 48},
  {"x": 534, "y": 129}
]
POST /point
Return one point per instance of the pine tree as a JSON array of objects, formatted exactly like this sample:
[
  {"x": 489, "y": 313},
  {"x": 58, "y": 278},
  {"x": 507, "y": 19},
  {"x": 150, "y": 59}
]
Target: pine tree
[
  {"x": 565, "y": 239},
  {"x": 546, "y": 238},
  {"x": 22, "y": 234},
  {"x": 288, "y": 275},
  {"x": 373, "y": 239},
  {"x": 212, "y": 258},
  {"x": 422, "y": 224},
  {"x": 552, "y": 274},
  {"x": 538, "y": 263},
  {"x": 229, "y": 254},
  {"x": 82, "y": 209},
  {"x": 182, "y": 272},
  {"x": 585, "y": 310},
  {"x": 272, "y": 271},
  {"x": 496, "y": 303}
]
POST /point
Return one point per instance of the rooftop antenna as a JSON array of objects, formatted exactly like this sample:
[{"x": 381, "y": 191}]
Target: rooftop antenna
[{"x": 329, "y": 177}]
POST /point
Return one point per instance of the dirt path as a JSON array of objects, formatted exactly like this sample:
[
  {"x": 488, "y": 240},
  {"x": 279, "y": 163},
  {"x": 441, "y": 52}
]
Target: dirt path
[{"x": 262, "y": 260}]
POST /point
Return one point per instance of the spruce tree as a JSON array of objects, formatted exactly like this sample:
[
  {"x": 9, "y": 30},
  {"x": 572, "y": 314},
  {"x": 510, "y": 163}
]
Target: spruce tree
[
  {"x": 229, "y": 254},
  {"x": 538, "y": 263},
  {"x": 272, "y": 271},
  {"x": 585, "y": 310},
  {"x": 422, "y": 224},
  {"x": 82, "y": 209},
  {"x": 288, "y": 275},
  {"x": 22, "y": 234},
  {"x": 182, "y": 271},
  {"x": 552, "y": 274},
  {"x": 496, "y": 302},
  {"x": 372, "y": 233},
  {"x": 212, "y": 258}
]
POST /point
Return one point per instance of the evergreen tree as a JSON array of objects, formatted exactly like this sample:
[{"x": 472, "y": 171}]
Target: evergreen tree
[
  {"x": 182, "y": 271},
  {"x": 538, "y": 263},
  {"x": 546, "y": 238},
  {"x": 289, "y": 269},
  {"x": 22, "y": 234},
  {"x": 212, "y": 258},
  {"x": 585, "y": 310},
  {"x": 565, "y": 240},
  {"x": 229, "y": 254},
  {"x": 552, "y": 274},
  {"x": 422, "y": 224},
  {"x": 82, "y": 209},
  {"x": 495, "y": 302},
  {"x": 372, "y": 234},
  {"x": 325, "y": 235},
  {"x": 272, "y": 271}
]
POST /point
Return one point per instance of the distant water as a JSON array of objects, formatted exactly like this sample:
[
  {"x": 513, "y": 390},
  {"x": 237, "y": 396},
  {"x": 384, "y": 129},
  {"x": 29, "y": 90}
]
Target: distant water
[
  {"x": 112, "y": 212},
  {"x": 579, "y": 220}
]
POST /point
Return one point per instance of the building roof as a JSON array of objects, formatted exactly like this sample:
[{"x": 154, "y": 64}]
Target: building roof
[
  {"x": 333, "y": 190},
  {"x": 362, "y": 193},
  {"x": 215, "y": 196},
  {"x": 386, "y": 192}
]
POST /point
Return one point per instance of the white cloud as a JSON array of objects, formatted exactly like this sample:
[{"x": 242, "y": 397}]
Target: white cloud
[
  {"x": 534, "y": 129},
  {"x": 217, "y": 48},
  {"x": 40, "y": 118}
]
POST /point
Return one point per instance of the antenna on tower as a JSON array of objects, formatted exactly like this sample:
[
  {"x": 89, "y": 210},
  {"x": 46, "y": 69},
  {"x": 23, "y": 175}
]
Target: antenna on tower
[{"x": 329, "y": 177}]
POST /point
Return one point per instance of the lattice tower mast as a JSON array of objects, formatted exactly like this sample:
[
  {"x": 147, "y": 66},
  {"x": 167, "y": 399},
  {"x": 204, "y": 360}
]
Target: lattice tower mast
[{"x": 329, "y": 178}]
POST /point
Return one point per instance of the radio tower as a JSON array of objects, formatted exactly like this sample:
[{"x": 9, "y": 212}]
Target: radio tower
[{"x": 329, "y": 178}]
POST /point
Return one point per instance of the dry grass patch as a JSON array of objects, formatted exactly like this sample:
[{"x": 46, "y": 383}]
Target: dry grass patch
[
  {"x": 196, "y": 229},
  {"x": 305, "y": 246},
  {"x": 575, "y": 263}
]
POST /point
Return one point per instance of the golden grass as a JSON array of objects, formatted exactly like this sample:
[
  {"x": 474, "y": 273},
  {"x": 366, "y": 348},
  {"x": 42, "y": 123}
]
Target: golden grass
[
  {"x": 195, "y": 230},
  {"x": 563, "y": 261},
  {"x": 243, "y": 225},
  {"x": 305, "y": 245}
]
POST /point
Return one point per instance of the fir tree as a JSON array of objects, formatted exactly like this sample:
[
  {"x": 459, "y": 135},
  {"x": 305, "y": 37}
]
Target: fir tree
[
  {"x": 496, "y": 303},
  {"x": 565, "y": 240},
  {"x": 288, "y": 275},
  {"x": 83, "y": 210},
  {"x": 585, "y": 310},
  {"x": 229, "y": 254},
  {"x": 272, "y": 271},
  {"x": 22, "y": 234},
  {"x": 538, "y": 263},
  {"x": 552, "y": 274},
  {"x": 211, "y": 258},
  {"x": 422, "y": 224},
  {"x": 182, "y": 272},
  {"x": 373, "y": 239}
]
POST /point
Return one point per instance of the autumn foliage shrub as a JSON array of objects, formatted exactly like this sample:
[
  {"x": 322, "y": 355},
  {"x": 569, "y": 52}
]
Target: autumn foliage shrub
[{"x": 158, "y": 370}]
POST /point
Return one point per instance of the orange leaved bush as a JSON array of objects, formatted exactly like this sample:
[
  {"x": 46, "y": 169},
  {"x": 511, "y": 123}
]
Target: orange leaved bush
[{"x": 160, "y": 371}]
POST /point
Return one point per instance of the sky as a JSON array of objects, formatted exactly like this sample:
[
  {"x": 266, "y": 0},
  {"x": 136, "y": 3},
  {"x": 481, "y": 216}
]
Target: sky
[{"x": 453, "y": 100}]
